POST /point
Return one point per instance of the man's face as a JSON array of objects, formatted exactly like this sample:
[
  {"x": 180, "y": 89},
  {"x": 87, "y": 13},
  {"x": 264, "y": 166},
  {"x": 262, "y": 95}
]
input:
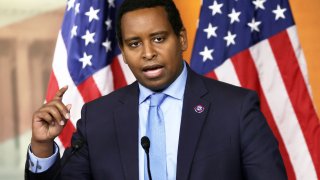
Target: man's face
[{"x": 151, "y": 48}]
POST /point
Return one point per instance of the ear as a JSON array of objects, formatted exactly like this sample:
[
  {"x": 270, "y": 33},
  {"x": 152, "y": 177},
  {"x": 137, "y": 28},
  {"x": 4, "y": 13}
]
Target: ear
[{"x": 183, "y": 39}]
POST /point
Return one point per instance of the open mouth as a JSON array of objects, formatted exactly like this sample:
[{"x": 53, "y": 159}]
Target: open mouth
[{"x": 152, "y": 71}]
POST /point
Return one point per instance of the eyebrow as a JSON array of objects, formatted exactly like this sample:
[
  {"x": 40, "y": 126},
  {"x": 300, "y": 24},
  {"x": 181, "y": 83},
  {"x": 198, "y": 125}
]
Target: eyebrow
[
  {"x": 151, "y": 35},
  {"x": 158, "y": 33}
]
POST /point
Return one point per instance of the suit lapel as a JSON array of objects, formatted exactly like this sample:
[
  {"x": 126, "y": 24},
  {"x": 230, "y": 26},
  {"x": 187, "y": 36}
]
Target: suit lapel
[
  {"x": 126, "y": 120},
  {"x": 194, "y": 113}
]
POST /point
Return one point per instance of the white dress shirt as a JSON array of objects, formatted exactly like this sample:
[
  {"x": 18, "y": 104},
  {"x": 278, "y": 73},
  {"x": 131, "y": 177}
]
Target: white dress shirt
[{"x": 171, "y": 108}]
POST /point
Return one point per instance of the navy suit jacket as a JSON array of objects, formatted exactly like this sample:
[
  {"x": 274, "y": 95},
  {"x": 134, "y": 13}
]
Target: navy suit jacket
[{"x": 229, "y": 140}]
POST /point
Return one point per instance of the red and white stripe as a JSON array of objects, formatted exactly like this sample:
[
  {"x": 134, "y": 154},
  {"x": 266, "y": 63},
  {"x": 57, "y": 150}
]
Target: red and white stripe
[
  {"x": 276, "y": 69},
  {"x": 101, "y": 83}
]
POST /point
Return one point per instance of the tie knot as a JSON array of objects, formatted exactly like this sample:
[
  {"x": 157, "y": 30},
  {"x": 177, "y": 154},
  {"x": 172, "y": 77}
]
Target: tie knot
[{"x": 156, "y": 99}]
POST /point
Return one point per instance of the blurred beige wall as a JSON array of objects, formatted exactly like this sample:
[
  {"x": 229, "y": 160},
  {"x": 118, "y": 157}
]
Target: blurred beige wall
[
  {"x": 12, "y": 11},
  {"x": 26, "y": 53}
]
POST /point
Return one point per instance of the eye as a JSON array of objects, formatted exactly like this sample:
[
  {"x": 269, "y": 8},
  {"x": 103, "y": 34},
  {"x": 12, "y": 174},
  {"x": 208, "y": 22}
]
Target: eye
[
  {"x": 134, "y": 44},
  {"x": 158, "y": 39}
]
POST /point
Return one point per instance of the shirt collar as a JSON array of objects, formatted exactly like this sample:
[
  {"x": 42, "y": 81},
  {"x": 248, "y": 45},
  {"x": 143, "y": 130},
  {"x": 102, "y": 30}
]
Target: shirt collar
[{"x": 175, "y": 90}]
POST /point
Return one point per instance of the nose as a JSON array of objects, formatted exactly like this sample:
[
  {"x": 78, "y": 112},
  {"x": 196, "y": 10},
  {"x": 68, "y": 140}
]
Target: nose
[{"x": 149, "y": 52}]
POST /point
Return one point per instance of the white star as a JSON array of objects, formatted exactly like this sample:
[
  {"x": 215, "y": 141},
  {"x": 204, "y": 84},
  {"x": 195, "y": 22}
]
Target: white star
[
  {"x": 279, "y": 12},
  {"x": 211, "y": 31},
  {"x": 216, "y": 8},
  {"x": 206, "y": 54},
  {"x": 111, "y": 3},
  {"x": 77, "y": 8},
  {"x": 259, "y": 4},
  {"x": 254, "y": 25},
  {"x": 86, "y": 60},
  {"x": 92, "y": 14},
  {"x": 88, "y": 37},
  {"x": 230, "y": 38},
  {"x": 74, "y": 31},
  {"x": 70, "y": 4},
  {"x": 107, "y": 45},
  {"x": 234, "y": 16},
  {"x": 108, "y": 23}
]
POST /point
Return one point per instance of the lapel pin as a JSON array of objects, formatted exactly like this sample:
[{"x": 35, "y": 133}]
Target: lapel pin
[{"x": 199, "y": 109}]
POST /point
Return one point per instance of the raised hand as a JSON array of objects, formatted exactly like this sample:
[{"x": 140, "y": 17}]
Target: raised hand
[{"x": 47, "y": 124}]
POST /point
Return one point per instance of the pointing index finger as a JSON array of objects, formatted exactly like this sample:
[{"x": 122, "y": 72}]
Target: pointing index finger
[{"x": 61, "y": 92}]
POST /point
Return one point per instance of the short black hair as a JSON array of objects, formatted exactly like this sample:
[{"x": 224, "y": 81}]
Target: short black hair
[{"x": 131, "y": 5}]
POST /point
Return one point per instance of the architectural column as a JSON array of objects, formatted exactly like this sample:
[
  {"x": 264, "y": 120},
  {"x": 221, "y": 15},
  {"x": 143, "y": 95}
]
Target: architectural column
[
  {"x": 9, "y": 122},
  {"x": 23, "y": 88}
]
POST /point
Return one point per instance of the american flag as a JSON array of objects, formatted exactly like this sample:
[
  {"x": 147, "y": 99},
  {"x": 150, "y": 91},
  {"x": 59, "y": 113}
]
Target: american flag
[
  {"x": 254, "y": 44},
  {"x": 87, "y": 58},
  {"x": 251, "y": 44}
]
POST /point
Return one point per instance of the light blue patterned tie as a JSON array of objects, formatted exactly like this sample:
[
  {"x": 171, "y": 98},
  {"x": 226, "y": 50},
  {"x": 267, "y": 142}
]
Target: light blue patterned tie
[{"x": 157, "y": 136}]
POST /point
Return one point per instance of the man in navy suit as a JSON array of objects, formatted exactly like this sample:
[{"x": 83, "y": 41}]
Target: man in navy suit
[{"x": 213, "y": 130}]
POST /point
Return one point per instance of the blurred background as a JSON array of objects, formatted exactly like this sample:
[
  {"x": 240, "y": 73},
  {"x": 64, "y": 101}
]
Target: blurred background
[{"x": 28, "y": 32}]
